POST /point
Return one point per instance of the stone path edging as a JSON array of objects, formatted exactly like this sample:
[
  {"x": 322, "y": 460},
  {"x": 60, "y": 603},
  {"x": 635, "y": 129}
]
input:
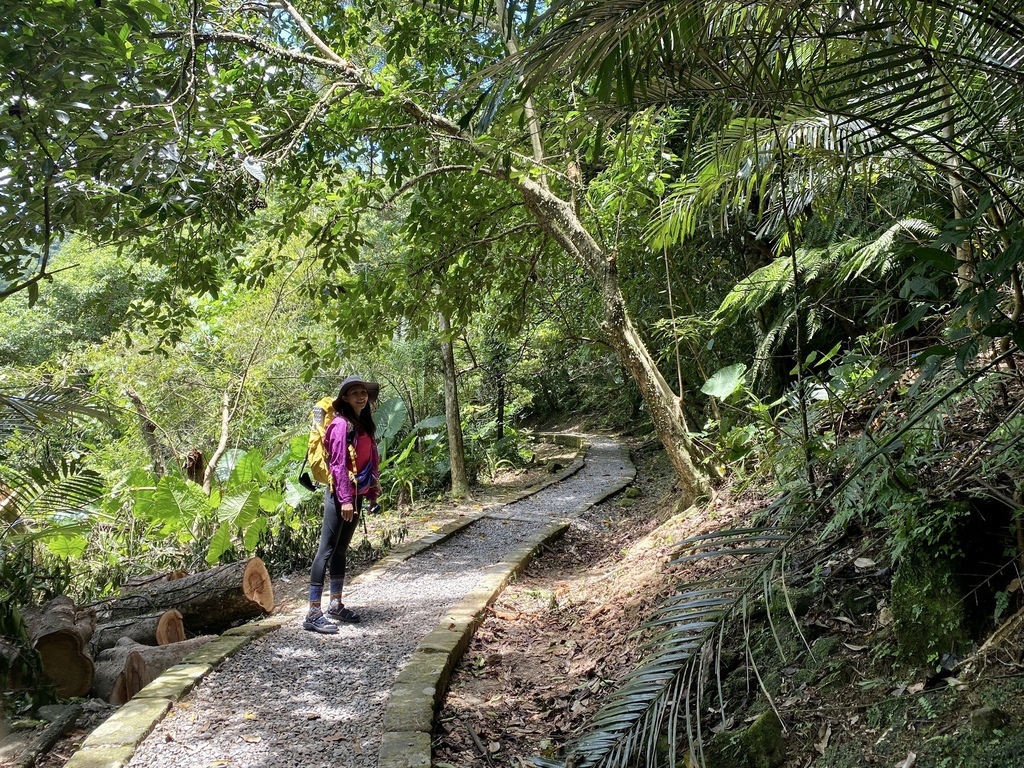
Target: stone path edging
[
  {"x": 113, "y": 743},
  {"x": 422, "y": 683}
]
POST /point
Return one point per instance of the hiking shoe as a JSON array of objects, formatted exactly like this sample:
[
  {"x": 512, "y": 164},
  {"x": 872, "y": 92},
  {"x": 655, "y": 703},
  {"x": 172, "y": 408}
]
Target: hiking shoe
[
  {"x": 317, "y": 622},
  {"x": 339, "y": 612}
]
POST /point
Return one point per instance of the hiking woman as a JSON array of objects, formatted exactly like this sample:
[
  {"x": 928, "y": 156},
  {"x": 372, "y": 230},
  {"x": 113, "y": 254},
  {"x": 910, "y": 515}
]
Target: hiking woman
[{"x": 354, "y": 470}]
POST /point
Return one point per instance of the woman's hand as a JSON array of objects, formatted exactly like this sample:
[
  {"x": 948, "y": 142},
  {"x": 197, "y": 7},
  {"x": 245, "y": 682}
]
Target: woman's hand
[{"x": 347, "y": 512}]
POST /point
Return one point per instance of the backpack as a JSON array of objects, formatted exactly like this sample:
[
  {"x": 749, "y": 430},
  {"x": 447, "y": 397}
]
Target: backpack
[{"x": 317, "y": 472}]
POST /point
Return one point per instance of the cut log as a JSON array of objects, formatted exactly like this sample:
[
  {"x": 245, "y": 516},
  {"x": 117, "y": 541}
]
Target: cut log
[
  {"x": 125, "y": 669},
  {"x": 208, "y": 602},
  {"x": 121, "y": 677},
  {"x": 59, "y": 633},
  {"x": 146, "y": 581},
  {"x": 159, "y": 628}
]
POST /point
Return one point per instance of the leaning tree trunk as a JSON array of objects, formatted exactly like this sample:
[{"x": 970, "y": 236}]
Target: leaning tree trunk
[
  {"x": 456, "y": 450},
  {"x": 59, "y": 632},
  {"x": 208, "y": 601},
  {"x": 559, "y": 219}
]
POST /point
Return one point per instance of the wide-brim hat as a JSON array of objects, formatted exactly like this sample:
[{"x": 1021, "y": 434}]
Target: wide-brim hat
[{"x": 372, "y": 387}]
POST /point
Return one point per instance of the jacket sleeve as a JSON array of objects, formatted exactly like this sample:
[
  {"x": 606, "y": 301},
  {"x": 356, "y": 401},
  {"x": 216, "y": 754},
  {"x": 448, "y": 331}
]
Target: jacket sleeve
[{"x": 336, "y": 441}]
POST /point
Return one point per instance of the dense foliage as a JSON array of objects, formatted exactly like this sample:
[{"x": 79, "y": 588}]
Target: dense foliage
[{"x": 782, "y": 237}]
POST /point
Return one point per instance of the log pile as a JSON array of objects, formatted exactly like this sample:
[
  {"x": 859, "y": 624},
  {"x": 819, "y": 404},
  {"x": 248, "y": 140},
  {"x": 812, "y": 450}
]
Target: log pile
[{"x": 115, "y": 648}]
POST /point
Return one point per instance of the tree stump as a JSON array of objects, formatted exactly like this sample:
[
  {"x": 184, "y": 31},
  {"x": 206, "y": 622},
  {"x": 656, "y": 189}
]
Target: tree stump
[
  {"x": 59, "y": 633},
  {"x": 160, "y": 628},
  {"x": 128, "y": 667},
  {"x": 209, "y": 601}
]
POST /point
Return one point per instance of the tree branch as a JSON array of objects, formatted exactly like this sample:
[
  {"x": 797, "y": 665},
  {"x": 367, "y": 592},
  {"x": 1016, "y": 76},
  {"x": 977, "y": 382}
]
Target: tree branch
[
  {"x": 277, "y": 51},
  {"x": 314, "y": 38},
  {"x": 426, "y": 175}
]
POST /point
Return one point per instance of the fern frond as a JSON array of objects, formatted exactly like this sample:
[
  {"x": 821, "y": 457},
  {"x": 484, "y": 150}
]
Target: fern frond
[{"x": 875, "y": 258}]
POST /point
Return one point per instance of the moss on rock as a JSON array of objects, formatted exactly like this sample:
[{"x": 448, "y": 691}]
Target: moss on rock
[
  {"x": 927, "y": 606},
  {"x": 763, "y": 743}
]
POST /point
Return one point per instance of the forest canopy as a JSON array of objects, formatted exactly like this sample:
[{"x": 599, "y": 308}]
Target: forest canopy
[{"x": 782, "y": 239}]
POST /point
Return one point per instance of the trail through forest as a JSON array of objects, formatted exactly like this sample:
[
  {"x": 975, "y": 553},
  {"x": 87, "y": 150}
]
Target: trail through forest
[{"x": 304, "y": 699}]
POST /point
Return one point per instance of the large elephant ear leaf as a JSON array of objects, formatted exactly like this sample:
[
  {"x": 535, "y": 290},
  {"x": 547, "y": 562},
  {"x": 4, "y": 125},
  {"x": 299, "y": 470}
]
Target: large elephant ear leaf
[
  {"x": 725, "y": 382},
  {"x": 390, "y": 418}
]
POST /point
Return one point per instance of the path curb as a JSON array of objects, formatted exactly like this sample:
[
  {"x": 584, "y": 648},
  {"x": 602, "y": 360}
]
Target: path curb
[
  {"x": 422, "y": 683},
  {"x": 113, "y": 743}
]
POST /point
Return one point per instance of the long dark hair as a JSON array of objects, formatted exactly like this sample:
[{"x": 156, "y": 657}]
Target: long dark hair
[{"x": 362, "y": 423}]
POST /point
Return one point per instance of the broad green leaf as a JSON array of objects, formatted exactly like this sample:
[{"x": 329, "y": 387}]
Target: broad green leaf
[
  {"x": 177, "y": 502},
  {"x": 725, "y": 382},
  {"x": 219, "y": 544},
  {"x": 390, "y": 418},
  {"x": 66, "y": 546},
  {"x": 270, "y": 500},
  {"x": 239, "y": 506},
  {"x": 248, "y": 469},
  {"x": 253, "y": 533},
  {"x": 227, "y": 463},
  {"x": 295, "y": 494},
  {"x": 432, "y": 422}
]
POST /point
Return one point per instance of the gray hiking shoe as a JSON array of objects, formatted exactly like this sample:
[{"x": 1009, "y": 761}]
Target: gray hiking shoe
[{"x": 317, "y": 622}]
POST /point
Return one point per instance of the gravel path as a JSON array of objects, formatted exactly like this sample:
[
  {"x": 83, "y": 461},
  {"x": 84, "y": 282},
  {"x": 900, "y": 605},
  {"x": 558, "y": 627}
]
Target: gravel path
[{"x": 297, "y": 698}]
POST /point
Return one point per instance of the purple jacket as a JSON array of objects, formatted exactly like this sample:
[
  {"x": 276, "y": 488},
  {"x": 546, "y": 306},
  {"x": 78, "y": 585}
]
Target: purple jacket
[{"x": 336, "y": 442}]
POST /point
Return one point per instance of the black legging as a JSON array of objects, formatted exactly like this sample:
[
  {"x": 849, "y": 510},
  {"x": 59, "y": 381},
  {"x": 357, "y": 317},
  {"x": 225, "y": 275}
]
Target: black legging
[{"x": 335, "y": 536}]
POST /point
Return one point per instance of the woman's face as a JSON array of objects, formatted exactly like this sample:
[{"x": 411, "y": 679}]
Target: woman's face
[{"x": 357, "y": 397}]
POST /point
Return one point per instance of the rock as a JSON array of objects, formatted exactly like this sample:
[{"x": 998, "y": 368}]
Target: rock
[
  {"x": 856, "y": 602},
  {"x": 554, "y": 466},
  {"x": 632, "y": 492},
  {"x": 988, "y": 719},
  {"x": 763, "y": 744},
  {"x": 928, "y": 608}
]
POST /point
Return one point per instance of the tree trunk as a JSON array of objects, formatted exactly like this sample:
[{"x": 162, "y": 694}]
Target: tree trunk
[
  {"x": 157, "y": 451},
  {"x": 453, "y": 418},
  {"x": 500, "y": 397},
  {"x": 209, "y": 601},
  {"x": 59, "y": 633},
  {"x": 128, "y": 667},
  {"x": 559, "y": 219},
  {"x": 162, "y": 628}
]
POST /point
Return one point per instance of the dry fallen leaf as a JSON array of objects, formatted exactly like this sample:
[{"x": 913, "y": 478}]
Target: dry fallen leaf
[
  {"x": 909, "y": 762},
  {"x": 916, "y": 687},
  {"x": 826, "y": 734},
  {"x": 253, "y": 738},
  {"x": 862, "y": 563},
  {"x": 494, "y": 747},
  {"x": 335, "y": 737},
  {"x": 853, "y": 647}
]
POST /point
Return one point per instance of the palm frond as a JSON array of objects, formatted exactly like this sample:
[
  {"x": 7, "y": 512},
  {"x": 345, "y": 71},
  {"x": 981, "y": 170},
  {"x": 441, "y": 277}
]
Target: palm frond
[
  {"x": 44, "y": 492},
  {"x": 650, "y": 698},
  {"x": 41, "y": 407}
]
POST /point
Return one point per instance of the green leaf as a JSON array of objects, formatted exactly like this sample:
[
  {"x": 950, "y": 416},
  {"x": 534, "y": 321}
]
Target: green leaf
[
  {"x": 66, "y": 546},
  {"x": 390, "y": 418},
  {"x": 270, "y": 500},
  {"x": 219, "y": 544},
  {"x": 725, "y": 382},
  {"x": 253, "y": 533},
  {"x": 239, "y": 506},
  {"x": 177, "y": 502},
  {"x": 248, "y": 469},
  {"x": 430, "y": 423}
]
